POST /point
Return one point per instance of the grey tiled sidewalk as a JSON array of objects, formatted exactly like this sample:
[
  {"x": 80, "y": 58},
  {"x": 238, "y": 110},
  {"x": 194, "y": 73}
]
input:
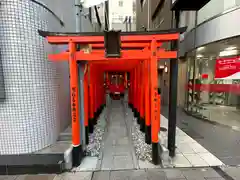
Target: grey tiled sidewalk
[
  {"x": 145, "y": 174},
  {"x": 233, "y": 172},
  {"x": 222, "y": 142},
  {"x": 117, "y": 149}
]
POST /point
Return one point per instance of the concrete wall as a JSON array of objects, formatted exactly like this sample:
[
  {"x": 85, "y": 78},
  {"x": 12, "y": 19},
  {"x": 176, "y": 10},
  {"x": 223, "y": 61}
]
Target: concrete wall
[
  {"x": 142, "y": 15},
  {"x": 116, "y": 11},
  {"x": 37, "y": 105},
  {"x": 145, "y": 13},
  {"x": 163, "y": 19},
  {"x": 161, "y": 22}
]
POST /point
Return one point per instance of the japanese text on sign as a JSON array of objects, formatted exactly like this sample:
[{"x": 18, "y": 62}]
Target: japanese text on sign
[{"x": 74, "y": 114}]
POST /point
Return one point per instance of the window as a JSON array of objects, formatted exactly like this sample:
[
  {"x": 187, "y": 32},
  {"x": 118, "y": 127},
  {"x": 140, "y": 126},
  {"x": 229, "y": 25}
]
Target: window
[
  {"x": 120, "y": 18},
  {"x": 120, "y": 3},
  {"x": 134, "y": 7}
]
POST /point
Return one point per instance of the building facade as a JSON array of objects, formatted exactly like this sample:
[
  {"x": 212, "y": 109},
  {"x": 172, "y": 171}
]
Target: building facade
[
  {"x": 35, "y": 95},
  {"x": 210, "y": 48},
  {"x": 156, "y": 15},
  {"x": 153, "y": 14},
  {"x": 119, "y": 10},
  {"x": 208, "y": 83}
]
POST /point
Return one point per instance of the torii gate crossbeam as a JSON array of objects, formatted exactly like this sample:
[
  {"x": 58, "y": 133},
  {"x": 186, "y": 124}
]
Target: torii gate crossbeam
[{"x": 140, "y": 60}]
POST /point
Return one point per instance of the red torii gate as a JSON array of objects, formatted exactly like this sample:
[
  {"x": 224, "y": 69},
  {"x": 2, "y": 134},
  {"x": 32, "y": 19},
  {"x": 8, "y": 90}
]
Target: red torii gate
[{"x": 140, "y": 52}]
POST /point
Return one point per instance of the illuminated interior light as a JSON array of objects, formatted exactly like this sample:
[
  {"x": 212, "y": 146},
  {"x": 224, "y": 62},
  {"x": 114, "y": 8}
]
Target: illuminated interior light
[
  {"x": 166, "y": 69},
  {"x": 228, "y": 53},
  {"x": 200, "y": 48},
  {"x": 230, "y": 48}
]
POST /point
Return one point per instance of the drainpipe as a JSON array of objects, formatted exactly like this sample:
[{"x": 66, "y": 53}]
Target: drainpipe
[
  {"x": 148, "y": 15},
  {"x": 126, "y": 23},
  {"x": 130, "y": 23},
  {"x": 79, "y": 28},
  {"x": 109, "y": 15},
  {"x": 106, "y": 15},
  {"x": 172, "y": 113}
]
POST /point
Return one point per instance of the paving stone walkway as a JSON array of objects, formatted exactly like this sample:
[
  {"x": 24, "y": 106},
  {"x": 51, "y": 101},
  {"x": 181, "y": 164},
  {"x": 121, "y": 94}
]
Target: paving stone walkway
[
  {"x": 119, "y": 164},
  {"x": 231, "y": 173},
  {"x": 117, "y": 151},
  {"x": 222, "y": 142}
]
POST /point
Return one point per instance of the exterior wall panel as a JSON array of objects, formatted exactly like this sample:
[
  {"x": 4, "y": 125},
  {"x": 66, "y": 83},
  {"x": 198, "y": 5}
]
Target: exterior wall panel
[
  {"x": 187, "y": 44},
  {"x": 37, "y": 103},
  {"x": 163, "y": 19},
  {"x": 218, "y": 28},
  {"x": 142, "y": 15},
  {"x": 213, "y": 30}
]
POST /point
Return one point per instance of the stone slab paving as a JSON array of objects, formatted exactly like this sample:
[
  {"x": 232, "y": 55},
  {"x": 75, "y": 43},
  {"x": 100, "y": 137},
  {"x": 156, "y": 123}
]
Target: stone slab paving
[
  {"x": 233, "y": 172},
  {"x": 189, "y": 153},
  {"x": 223, "y": 142},
  {"x": 117, "y": 148},
  {"x": 118, "y": 153},
  {"x": 142, "y": 174}
]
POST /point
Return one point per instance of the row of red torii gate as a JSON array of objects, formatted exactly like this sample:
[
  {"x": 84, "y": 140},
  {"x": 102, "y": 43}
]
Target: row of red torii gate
[{"x": 93, "y": 56}]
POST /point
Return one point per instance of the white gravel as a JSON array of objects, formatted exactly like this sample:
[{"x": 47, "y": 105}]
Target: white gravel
[
  {"x": 95, "y": 139},
  {"x": 143, "y": 150}
]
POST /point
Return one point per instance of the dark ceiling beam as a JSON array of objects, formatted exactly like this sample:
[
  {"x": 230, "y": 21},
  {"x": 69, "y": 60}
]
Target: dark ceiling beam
[{"x": 106, "y": 15}]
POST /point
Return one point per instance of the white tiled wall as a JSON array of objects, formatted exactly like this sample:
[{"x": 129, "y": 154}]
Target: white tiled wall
[{"x": 36, "y": 107}]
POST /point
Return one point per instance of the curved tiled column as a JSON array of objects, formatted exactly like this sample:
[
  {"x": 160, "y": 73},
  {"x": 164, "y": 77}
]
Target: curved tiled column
[{"x": 36, "y": 104}]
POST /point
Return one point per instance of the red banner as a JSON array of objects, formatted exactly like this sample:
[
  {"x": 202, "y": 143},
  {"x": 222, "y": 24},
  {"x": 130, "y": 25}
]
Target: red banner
[{"x": 227, "y": 68}]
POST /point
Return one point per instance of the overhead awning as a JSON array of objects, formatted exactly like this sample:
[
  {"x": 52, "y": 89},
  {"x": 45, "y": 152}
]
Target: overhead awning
[{"x": 188, "y": 5}]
